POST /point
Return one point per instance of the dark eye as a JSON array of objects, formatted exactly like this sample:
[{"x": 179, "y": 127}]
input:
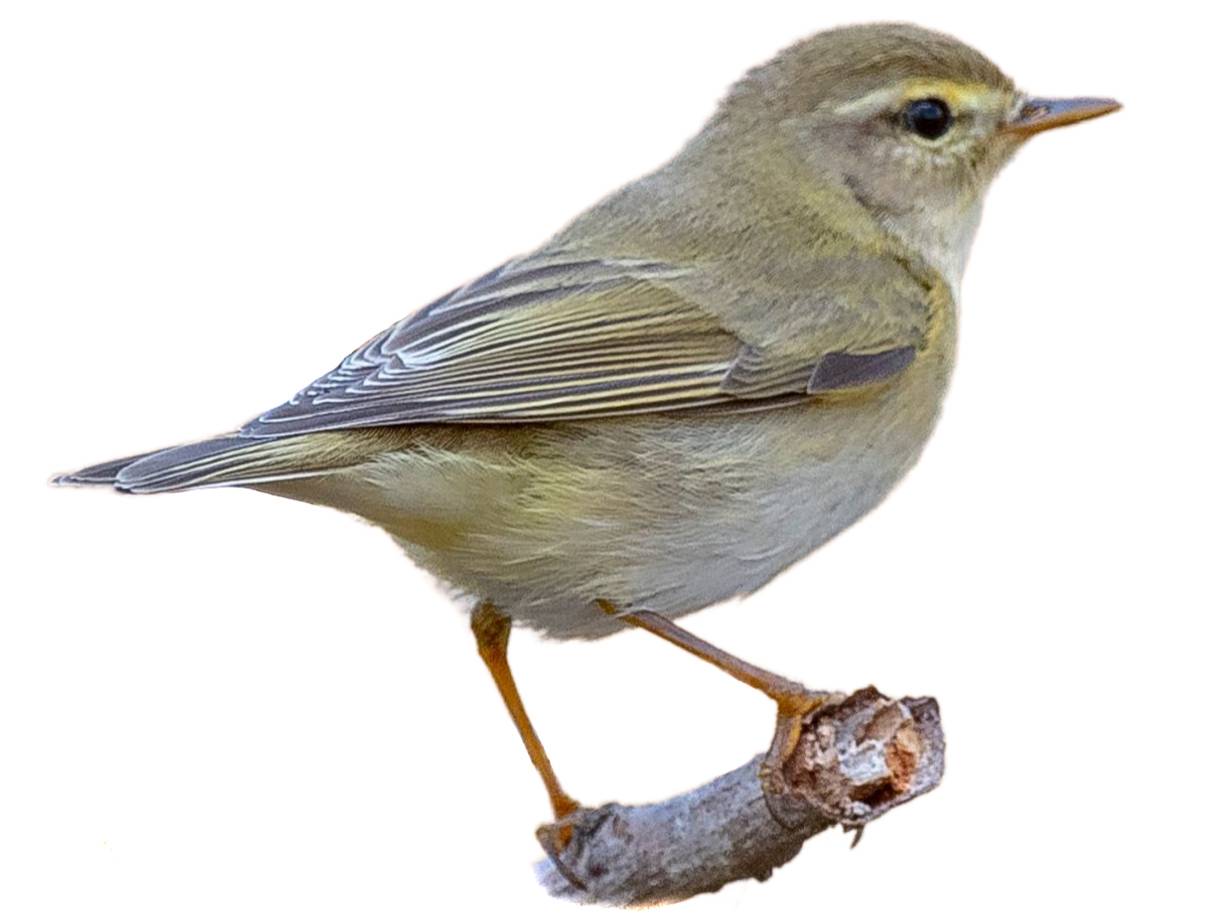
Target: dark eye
[{"x": 929, "y": 118}]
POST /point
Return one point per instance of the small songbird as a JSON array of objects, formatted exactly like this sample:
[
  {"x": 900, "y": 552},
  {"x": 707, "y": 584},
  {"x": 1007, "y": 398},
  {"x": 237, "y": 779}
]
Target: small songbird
[{"x": 700, "y": 380}]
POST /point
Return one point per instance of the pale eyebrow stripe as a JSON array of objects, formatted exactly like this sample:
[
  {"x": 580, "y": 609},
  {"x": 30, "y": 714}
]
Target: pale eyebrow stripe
[
  {"x": 955, "y": 94},
  {"x": 872, "y": 102}
]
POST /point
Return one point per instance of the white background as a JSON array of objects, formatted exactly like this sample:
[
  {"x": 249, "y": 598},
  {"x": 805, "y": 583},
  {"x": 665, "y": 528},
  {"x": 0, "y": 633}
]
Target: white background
[{"x": 223, "y": 704}]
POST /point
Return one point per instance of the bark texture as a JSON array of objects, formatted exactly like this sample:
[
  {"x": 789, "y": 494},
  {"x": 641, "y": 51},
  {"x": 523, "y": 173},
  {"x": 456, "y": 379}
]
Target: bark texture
[{"x": 859, "y": 756}]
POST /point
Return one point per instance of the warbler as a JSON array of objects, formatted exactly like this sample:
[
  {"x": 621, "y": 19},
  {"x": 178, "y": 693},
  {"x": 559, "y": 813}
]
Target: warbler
[{"x": 699, "y": 381}]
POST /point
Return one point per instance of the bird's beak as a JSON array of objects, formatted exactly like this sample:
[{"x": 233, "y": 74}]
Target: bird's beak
[{"x": 1043, "y": 114}]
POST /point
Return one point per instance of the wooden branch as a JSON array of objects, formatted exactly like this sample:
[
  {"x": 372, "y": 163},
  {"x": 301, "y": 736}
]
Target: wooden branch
[{"x": 859, "y": 756}]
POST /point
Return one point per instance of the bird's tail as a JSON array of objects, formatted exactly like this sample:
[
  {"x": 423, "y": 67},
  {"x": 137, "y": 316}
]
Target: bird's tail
[{"x": 226, "y": 460}]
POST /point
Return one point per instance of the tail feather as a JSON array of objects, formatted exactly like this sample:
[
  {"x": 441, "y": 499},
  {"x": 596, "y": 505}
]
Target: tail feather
[{"x": 228, "y": 460}]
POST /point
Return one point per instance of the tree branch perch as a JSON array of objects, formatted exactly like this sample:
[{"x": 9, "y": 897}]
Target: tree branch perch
[{"x": 859, "y": 756}]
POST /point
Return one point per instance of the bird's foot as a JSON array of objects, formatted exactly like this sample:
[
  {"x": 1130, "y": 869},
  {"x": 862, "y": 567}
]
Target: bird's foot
[
  {"x": 556, "y": 837},
  {"x": 796, "y": 704}
]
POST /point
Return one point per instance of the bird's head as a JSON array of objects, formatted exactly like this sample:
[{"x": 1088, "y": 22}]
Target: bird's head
[{"x": 913, "y": 123}]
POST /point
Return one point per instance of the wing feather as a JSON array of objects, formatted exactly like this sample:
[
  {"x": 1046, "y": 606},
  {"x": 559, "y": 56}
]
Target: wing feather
[{"x": 545, "y": 338}]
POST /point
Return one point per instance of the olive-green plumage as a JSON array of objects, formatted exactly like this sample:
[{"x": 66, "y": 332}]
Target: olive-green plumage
[{"x": 700, "y": 380}]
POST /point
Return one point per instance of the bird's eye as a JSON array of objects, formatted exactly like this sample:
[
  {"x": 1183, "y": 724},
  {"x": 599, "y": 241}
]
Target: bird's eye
[{"x": 929, "y": 118}]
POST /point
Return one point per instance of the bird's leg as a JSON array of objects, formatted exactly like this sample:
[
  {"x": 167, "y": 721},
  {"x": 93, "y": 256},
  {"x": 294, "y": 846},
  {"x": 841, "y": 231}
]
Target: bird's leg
[
  {"x": 493, "y": 631},
  {"x": 794, "y": 701}
]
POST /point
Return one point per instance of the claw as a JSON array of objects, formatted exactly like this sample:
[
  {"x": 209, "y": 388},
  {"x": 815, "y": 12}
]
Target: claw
[
  {"x": 555, "y": 838},
  {"x": 794, "y": 710}
]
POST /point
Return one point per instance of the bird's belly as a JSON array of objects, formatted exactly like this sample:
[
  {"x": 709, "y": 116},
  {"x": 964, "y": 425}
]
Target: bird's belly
[
  {"x": 733, "y": 538},
  {"x": 662, "y": 513}
]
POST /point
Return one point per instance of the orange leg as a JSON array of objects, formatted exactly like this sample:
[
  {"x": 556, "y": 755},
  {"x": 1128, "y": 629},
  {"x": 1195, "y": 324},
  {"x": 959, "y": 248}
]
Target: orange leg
[
  {"x": 794, "y": 702},
  {"x": 493, "y": 631}
]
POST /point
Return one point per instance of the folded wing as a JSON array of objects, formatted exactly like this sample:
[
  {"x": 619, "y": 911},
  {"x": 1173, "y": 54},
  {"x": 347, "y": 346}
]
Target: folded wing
[{"x": 554, "y": 337}]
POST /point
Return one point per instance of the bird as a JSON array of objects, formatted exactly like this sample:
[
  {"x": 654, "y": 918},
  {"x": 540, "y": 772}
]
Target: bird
[{"x": 700, "y": 380}]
